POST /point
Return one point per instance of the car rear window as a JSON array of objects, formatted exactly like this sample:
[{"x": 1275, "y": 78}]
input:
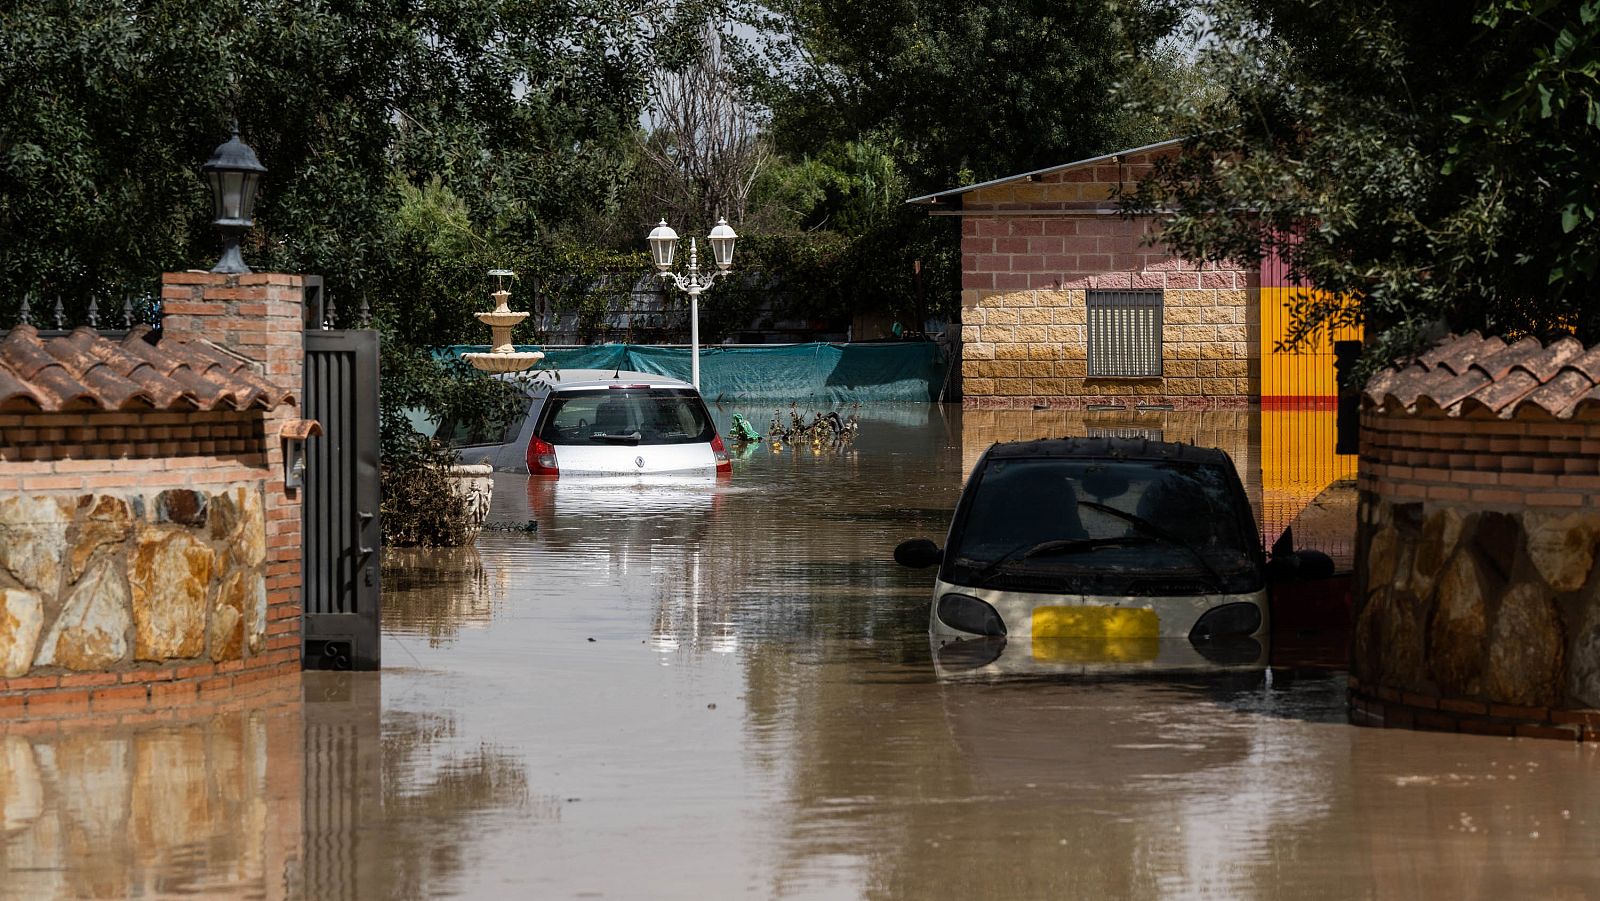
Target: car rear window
[
  {"x": 1124, "y": 527},
  {"x": 605, "y": 417}
]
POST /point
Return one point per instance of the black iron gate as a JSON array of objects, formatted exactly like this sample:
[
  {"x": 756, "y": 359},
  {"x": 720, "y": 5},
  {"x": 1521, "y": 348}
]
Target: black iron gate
[{"x": 339, "y": 517}]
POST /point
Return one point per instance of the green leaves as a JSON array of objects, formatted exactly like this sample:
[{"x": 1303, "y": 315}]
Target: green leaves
[
  {"x": 516, "y": 109},
  {"x": 994, "y": 88},
  {"x": 1443, "y": 173}
]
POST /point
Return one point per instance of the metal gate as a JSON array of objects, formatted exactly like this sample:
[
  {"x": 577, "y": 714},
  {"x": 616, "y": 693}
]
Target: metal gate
[{"x": 340, "y": 510}]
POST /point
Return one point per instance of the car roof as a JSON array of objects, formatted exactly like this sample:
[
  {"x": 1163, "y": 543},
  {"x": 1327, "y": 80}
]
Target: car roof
[
  {"x": 578, "y": 379},
  {"x": 1110, "y": 448}
]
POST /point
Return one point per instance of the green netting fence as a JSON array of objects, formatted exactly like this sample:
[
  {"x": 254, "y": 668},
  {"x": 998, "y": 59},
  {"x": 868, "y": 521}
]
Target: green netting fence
[{"x": 822, "y": 373}]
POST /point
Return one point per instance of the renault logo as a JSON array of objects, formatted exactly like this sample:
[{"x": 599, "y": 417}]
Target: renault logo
[{"x": 639, "y": 462}]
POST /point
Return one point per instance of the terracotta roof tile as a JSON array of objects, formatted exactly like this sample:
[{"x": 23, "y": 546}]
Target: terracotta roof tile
[
  {"x": 1561, "y": 394},
  {"x": 142, "y": 371},
  {"x": 1456, "y": 354},
  {"x": 1588, "y": 364},
  {"x": 1459, "y": 388},
  {"x": 1466, "y": 374},
  {"x": 1511, "y": 387}
]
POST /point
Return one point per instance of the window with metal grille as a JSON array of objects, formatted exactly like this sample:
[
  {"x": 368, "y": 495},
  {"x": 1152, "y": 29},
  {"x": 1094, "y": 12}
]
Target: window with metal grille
[
  {"x": 1124, "y": 334},
  {"x": 1146, "y": 434}
]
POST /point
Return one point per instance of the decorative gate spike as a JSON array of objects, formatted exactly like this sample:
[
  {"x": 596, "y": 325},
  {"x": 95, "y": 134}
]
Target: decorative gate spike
[
  {"x": 127, "y": 311},
  {"x": 61, "y": 314},
  {"x": 93, "y": 317},
  {"x": 25, "y": 314},
  {"x": 366, "y": 313},
  {"x": 329, "y": 310}
]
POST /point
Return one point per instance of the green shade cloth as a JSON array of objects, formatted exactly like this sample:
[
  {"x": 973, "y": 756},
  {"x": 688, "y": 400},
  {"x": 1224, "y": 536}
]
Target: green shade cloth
[{"x": 911, "y": 371}]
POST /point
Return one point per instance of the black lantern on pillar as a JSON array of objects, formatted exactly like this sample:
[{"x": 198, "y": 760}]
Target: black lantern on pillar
[{"x": 234, "y": 174}]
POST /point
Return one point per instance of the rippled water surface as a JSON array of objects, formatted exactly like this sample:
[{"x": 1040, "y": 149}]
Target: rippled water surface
[{"x": 711, "y": 690}]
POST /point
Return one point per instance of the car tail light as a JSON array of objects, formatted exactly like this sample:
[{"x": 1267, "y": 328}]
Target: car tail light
[
  {"x": 968, "y": 614},
  {"x": 542, "y": 458},
  {"x": 720, "y": 452}
]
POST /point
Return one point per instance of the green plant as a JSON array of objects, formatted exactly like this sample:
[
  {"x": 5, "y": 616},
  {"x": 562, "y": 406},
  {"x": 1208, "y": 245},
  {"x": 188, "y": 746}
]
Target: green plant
[
  {"x": 420, "y": 503},
  {"x": 1429, "y": 166}
]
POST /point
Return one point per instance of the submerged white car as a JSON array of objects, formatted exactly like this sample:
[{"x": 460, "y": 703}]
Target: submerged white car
[
  {"x": 610, "y": 423},
  {"x": 1099, "y": 554}
]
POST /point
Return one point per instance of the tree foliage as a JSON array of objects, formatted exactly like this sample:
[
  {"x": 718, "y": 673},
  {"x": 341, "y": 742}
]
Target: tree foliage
[
  {"x": 965, "y": 91},
  {"x": 872, "y": 103},
  {"x": 1427, "y": 165},
  {"x": 107, "y": 109},
  {"x": 413, "y": 144}
]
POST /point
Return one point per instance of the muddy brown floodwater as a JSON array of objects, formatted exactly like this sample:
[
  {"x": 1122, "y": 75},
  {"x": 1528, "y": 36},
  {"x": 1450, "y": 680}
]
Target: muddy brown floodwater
[{"x": 725, "y": 690}]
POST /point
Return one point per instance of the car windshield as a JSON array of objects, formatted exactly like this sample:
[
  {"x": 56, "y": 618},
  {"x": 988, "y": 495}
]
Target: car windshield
[
  {"x": 625, "y": 416},
  {"x": 1105, "y": 527}
]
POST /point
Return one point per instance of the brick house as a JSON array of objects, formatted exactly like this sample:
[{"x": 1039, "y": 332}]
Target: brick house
[
  {"x": 149, "y": 550},
  {"x": 1064, "y": 303}
]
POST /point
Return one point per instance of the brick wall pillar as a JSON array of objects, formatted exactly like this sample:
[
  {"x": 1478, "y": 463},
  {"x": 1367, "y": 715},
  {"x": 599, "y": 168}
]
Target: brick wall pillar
[{"x": 257, "y": 316}]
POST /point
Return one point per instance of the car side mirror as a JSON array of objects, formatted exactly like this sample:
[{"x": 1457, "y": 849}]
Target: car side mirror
[
  {"x": 1299, "y": 566},
  {"x": 918, "y": 553},
  {"x": 1312, "y": 564}
]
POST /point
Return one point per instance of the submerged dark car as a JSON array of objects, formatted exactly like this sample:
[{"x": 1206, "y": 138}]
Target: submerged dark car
[{"x": 1098, "y": 553}]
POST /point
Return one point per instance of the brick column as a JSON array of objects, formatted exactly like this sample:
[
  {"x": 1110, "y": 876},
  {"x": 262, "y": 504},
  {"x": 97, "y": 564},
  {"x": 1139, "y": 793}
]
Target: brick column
[{"x": 257, "y": 316}]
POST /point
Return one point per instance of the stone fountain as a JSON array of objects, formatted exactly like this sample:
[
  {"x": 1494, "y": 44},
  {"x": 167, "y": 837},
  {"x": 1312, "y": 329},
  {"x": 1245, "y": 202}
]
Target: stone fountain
[
  {"x": 475, "y": 481},
  {"x": 503, "y": 355}
]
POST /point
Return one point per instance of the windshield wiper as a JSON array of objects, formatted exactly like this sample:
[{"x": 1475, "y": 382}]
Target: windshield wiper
[
  {"x": 629, "y": 438},
  {"x": 1155, "y": 531},
  {"x": 1052, "y": 547}
]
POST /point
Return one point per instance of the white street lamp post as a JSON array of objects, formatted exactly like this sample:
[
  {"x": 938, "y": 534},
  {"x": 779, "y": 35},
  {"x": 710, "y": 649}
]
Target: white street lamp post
[{"x": 663, "y": 244}]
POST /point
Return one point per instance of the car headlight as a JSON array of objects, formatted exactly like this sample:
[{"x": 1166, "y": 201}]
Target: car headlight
[
  {"x": 1227, "y": 621},
  {"x": 968, "y": 614}
]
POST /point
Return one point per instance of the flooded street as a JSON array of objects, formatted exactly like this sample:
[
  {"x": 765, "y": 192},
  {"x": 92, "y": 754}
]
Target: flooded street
[{"x": 704, "y": 690}]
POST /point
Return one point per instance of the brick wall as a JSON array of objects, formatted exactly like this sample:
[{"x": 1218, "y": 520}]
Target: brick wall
[
  {"x": 1481, "y": 462},
  {"x": 1478, "y": 603},
  {"x": 66, "y": 446},
  {"x": 114, "y": 523},
  {"x": 1031, "y": 249}
]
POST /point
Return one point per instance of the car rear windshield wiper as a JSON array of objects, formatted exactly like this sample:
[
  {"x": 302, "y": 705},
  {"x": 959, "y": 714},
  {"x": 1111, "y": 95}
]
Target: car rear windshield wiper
[
  {"x": 1053, "y": 547},
  {"x": 1155, "y": 531},
  {"x": 629, "y": 438}
]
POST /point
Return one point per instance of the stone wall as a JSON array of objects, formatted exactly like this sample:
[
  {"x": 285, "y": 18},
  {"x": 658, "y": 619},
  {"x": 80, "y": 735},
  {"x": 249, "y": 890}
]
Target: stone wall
[
  {"x": 1478, "y": 601},
  {"x": 1031, "y": 250},
  {"x": 131, "y": 583},
  {"x": 148, "y": 555}
]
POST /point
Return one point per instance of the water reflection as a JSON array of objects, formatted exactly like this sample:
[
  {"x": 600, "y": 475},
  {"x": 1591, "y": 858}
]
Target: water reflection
[
  {"x": 154, "y": 805},
  {"x": 393, "y": 800},
  {"x": 1139, "y": 789},
  {"x": 726, "y": 689},
  {"x": 266, "y": 796},
  {"x": 435, "y": 592}
]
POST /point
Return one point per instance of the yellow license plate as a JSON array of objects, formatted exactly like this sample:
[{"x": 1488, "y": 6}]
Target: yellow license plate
[
  {"x": 1095, "y": 622},
  {"x": 1095, "y": 634}
]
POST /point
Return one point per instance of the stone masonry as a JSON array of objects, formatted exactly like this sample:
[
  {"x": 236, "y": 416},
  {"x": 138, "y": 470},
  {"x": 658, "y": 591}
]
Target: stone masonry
[
  {"x": 1478, "y": 594},
  {"x": 148, "y": 550}
]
